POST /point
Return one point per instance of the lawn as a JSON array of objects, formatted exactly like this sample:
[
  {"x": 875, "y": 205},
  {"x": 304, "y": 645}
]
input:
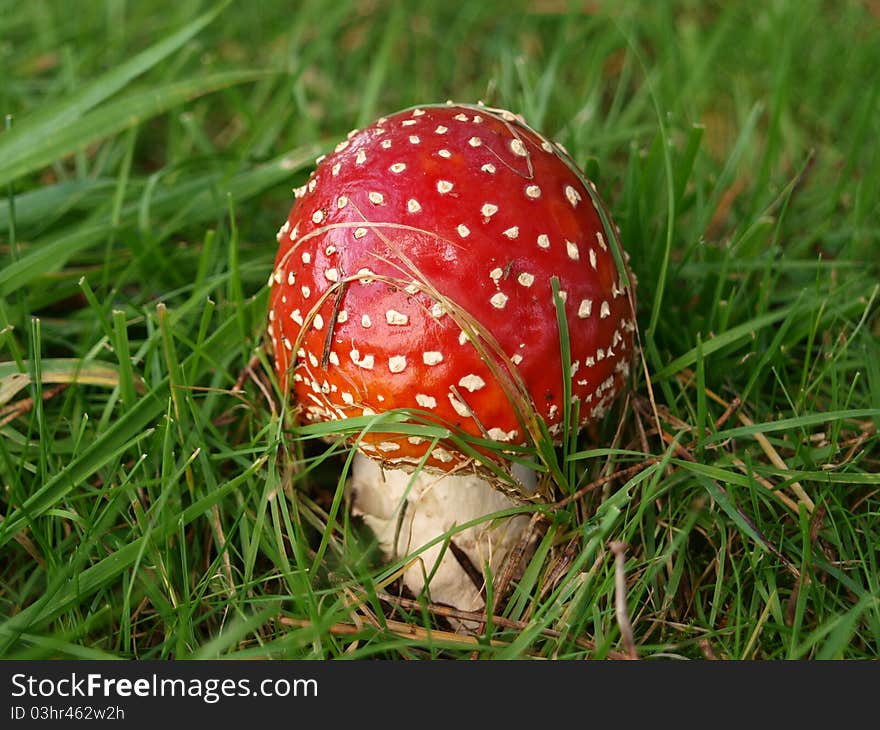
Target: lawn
[{"x": 159, "y": 501}]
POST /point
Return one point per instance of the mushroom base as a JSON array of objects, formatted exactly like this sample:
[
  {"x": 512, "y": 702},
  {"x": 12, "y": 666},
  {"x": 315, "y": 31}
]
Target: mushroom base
[{"x": 407, "y": 511}]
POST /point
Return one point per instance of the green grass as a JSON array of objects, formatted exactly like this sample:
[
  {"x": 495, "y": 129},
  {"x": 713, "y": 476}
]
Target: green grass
[{"x": 151, "y": 510}]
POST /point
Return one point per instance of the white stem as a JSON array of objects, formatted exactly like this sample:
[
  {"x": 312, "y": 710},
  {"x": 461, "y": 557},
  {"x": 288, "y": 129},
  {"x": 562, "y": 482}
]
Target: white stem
[{"x": 431, "y": 505}]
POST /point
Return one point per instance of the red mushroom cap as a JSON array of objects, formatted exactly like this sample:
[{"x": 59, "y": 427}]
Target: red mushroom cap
[{"x": 414, "y": 271}]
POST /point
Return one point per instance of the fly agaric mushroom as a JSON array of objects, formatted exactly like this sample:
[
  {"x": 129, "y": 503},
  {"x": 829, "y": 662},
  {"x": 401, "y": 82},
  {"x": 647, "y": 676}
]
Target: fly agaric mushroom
[{"x": 423, "y": 267}]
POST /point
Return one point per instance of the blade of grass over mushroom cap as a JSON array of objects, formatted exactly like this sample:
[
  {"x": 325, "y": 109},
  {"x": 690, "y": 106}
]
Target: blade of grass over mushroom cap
[
  {"x": 424, "y": 424},
  {"x": 491, "y": 353},
  {"x": 485, "y": 343},
  {"x": 612, "y": 236},
  {"x": 569, "y": 425}
]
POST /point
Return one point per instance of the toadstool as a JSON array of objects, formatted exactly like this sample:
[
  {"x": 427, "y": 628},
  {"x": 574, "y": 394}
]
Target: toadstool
[{"x": 422, "y": 267}]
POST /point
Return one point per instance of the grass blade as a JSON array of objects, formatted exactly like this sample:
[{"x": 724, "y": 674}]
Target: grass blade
[
  {"x": 128, "y": 112},
  {"x": 32, "y": 132}
]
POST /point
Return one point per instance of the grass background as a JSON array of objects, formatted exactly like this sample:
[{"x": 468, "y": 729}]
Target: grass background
[{"x": 154, "y": 502}]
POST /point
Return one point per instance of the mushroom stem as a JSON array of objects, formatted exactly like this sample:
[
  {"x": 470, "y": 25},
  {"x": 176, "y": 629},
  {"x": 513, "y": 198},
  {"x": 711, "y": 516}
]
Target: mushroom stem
[{"x": 407, "y": 511}]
